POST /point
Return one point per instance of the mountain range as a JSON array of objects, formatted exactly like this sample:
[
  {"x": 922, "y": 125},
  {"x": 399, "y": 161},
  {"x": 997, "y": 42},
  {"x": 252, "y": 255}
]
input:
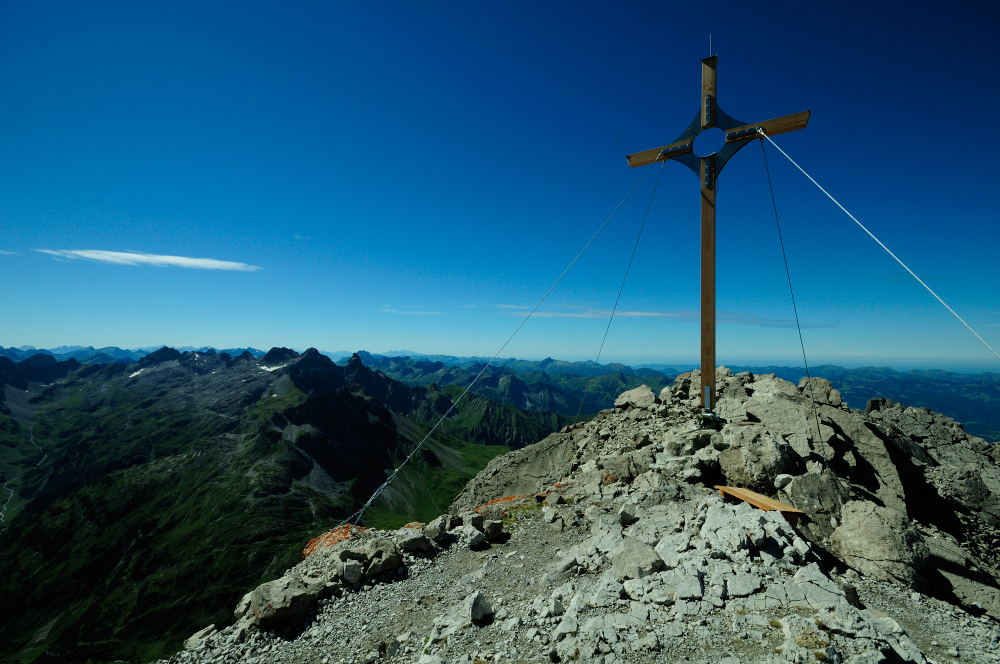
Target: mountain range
[
  {"x": 121, "y": 477},
  {"x": 122, "y": 480},
  {"x": 973, "y": 399},
  {"x": 569, "y": 388}
]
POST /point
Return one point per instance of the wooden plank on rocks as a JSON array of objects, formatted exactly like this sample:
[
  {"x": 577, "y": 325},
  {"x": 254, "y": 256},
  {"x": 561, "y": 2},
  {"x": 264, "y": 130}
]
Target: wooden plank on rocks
[{"x": 761, "y": 502}]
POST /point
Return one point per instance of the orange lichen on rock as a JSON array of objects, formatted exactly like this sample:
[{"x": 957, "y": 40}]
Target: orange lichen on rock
[
  {"x": 497, "y": 501},
  {"x": 539, "y": 497},
  {"x": 415, "y": 524},
  {"x": 334, "y": 537}
]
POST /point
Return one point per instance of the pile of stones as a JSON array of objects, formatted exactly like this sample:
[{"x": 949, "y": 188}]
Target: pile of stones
[{"x": 613, "y": 546}]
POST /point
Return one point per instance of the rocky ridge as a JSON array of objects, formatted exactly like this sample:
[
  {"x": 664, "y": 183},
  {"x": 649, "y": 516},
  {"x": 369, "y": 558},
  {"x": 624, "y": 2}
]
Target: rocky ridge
[{"x": 606, "y": 542}]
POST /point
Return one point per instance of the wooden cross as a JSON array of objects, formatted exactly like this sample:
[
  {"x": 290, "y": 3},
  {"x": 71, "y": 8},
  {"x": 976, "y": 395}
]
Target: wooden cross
[{"x": 707, "y": 169}]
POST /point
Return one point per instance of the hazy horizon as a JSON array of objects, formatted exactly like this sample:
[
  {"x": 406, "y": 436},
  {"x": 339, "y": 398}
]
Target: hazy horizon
[{"x": 957, "y": 365}]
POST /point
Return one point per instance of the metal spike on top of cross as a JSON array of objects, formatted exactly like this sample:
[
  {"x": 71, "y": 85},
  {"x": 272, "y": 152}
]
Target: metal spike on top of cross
[{"x": 707, "y": 169}]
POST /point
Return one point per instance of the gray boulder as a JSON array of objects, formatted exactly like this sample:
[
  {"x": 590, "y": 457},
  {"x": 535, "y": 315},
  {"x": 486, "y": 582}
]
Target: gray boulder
[
  {"x": 284, "y": 599},
  {"x": 779, "y": 406},
  {"x": 473, "y": 609},
  {"x": 243, "y": 605},
  {"x": 881, "y": 542},
  {"x": 199, "y": 638},
  {"x": 437, "y": 530},
  {"x": 640, "y": 397},
  {"x": 493, "y": 530},
  {"x": 518, "y": 473},
  {"x": 743, "y": 584},
  {"x": 383, "y": 556},
  {"x": 755, "y": 457},
  {"x": 412, "y": 540},
  {"x": 682, "y": 385},
  {"x": 821, "y": 497},
  {"x": 671, "y": 546},
  {"x": 632, "y": 559},
  {"x": 608, "y": 591},
  {"x": 781, "y": 481},
  {"x": 471, "y": 535},
  {"x": 820, "y": 391},
  {"x": 353, "y": 571},
  {"x": 961, "y": 485},
  {"x": 963, "y": 579}
]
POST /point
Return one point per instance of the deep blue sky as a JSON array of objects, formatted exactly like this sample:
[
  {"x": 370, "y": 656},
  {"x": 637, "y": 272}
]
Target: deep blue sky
[{"x": 407, "y": 175}]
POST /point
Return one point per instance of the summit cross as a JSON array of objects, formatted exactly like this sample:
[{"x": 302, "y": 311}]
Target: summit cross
[{"x": 707, "y": 169}]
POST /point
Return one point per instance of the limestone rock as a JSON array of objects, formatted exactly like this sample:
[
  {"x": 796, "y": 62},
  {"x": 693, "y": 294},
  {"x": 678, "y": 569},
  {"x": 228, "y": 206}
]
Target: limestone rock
[
  {"x": 471, "y": 535},
  {"x": 243, "y": 606},
  {"x": 437, "y": 528},
  {"x": 820, "y": 391},
  {"x": 473, "y": 609},
  {"x": 353, "y": 571},
  {"x": 962, "y": 485},
  {"x": 755, "y": 457},
  {"x": 781, "y": 481},
  {"x": 640, "y": 397},
  {"x": 632, "y": 559},
  {"x": 671, "y": 546},
  {"x": 882, "y": 542},
  {"x": 412, "y": 540},
  {"x": 743, "y": 584},
  {"x": 430, "y": 659},
  {"x": 821, "y": 497},
  {"x": 474, "y": 519},
  {"x": 284, "y": 599},
  {"x": 198, "y": 639},
  {"x": 383, "y": 556},
  {"x": 608, "y": 591},
  {"x": 493, "y": 530},
  {"x": 803, "y": 632},
  {"x": 517, "y": 473}
]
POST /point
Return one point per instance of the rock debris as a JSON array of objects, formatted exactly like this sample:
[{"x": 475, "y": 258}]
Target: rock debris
[{"x": 607, "y": 543}]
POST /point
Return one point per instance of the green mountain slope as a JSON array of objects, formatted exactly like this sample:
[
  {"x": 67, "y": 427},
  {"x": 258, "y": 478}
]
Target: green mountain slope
[
  {"x": 481, "y": 420},
  {"x": 122, "y": 541},
  {"x": 524, "y": 385}
]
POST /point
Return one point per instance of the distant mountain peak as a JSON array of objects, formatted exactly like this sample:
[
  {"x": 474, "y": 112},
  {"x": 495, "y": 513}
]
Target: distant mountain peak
[
  {"x": 278, "y": 356},
  {"x": 165, "y": 354}
]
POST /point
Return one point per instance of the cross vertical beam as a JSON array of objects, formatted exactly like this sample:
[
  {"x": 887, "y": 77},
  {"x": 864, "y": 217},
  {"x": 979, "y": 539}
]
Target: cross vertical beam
[
  {"x": 707, "y": 168},
  {"x": 708, "y": 240}
]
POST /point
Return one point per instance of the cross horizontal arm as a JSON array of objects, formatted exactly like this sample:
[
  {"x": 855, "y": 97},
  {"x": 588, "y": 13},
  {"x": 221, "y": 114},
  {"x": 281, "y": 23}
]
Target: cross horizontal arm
[
  {"x": 660, "y": 154},
  {"x": 773, "y": 127}
]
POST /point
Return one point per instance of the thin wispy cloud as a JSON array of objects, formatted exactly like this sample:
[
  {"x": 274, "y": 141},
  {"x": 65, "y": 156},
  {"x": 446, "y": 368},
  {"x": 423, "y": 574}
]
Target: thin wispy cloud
[
  {"x": 510, "y": 306},
  {"x": 693, "y": 316},
  {"x": 134, "y": 258},
  {"x": 412, "y": 312},
  {"x": 8, "y": 253}
]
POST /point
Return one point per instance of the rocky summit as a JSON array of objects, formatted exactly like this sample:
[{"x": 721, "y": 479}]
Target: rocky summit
[{"x": 608, "y": 542}]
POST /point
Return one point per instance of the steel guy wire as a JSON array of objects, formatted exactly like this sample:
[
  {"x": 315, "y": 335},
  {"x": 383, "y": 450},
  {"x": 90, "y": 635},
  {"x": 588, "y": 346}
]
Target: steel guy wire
[
  {"x": 622, "y": 287},
  {"x": 788, "y": 273},
  {"x": 356, "y": 517},
  {"x": 936, "y": 296}
]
